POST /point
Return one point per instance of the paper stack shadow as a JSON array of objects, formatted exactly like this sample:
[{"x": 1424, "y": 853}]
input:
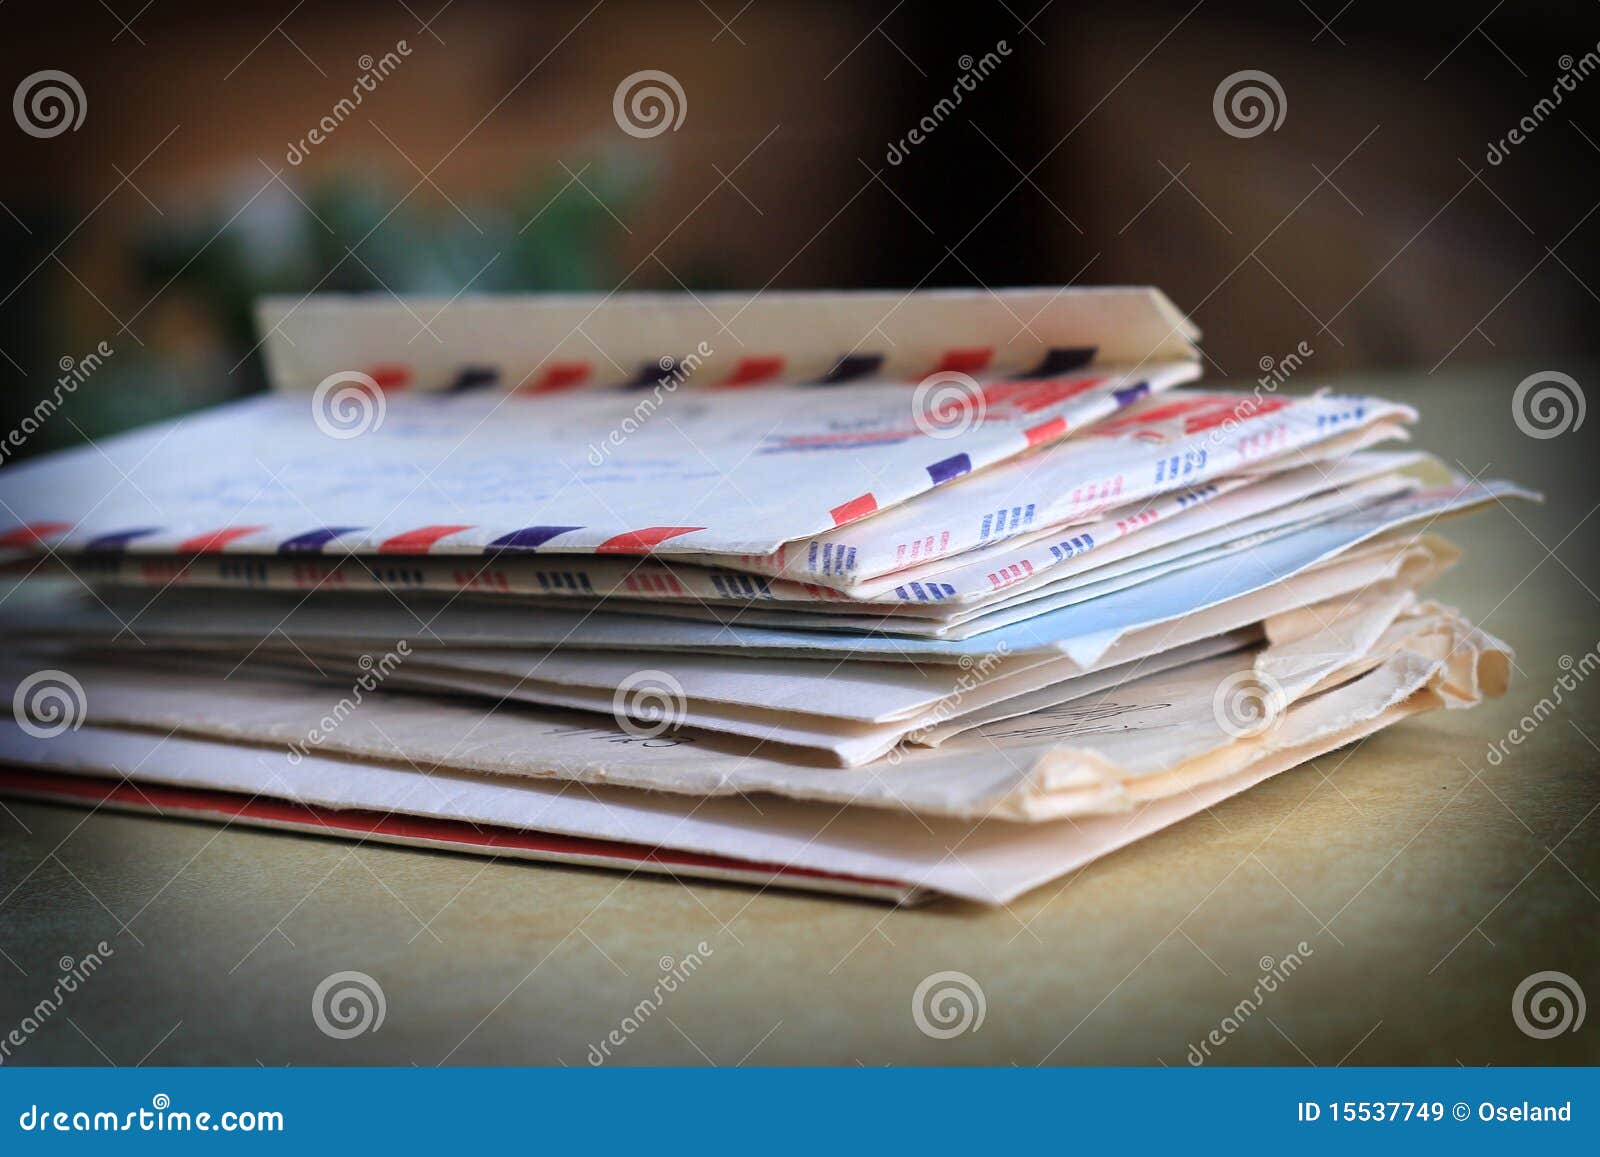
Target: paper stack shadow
[{"x": 895, "y": 595}]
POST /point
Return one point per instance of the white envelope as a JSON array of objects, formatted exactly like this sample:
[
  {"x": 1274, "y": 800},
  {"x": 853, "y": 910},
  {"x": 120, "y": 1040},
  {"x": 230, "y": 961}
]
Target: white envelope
[
  {"x": 1159, "y": 446},
  {"x": 1082, "y": 633},
  {"x": 371, "y": 446}
]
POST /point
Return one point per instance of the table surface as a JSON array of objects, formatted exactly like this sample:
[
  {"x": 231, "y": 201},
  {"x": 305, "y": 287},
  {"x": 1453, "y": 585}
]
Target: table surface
[{"x": 1423, "y": 882}]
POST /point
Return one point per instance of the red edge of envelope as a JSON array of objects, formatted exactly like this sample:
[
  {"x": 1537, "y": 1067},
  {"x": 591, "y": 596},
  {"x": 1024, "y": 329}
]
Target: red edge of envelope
[{"x": 420, "y": 831}]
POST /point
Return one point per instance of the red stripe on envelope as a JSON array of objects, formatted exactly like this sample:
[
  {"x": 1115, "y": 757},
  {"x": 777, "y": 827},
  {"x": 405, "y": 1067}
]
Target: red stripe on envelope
[
  {"x": 657, "y": 583},
  {"x": 557, "y": 376},
  {"x": 854, "y": 509},
  {"x": 751, "y": 370},
  {"x": 1033, "y": 394},
  {"x": 1045, "y": 431},
  {"x": 418, "y": 541},
  {"x": 642, "y": 541},
  {"x": 390, "y": 376},
  {"x": 215, "y": 540},
  {"x": 964, "y": 361},
  {"x": 34, "y": 533}
]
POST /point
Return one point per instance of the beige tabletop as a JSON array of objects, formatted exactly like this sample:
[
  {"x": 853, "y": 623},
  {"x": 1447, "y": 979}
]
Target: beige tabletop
[{"x": 1410, "y": 883}]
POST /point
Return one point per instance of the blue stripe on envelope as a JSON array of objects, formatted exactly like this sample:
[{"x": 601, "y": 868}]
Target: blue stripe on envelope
[
  {"x": 313, "y": 541},
  {"x": 850, "y": 367},
  {"x": 474, "y": 378},
  {"x": 528, "y": 538},
  {"x": 1131, "y": 393},
  {"x": 948, "y": 468},
  {"x": 1062, "y": 360},
  {"x": 117, "y": 540},
  {"x": 650, "y": 374}
]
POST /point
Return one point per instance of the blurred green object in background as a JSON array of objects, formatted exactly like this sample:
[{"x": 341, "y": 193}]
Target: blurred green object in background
[{"x": 203, "y": 265}]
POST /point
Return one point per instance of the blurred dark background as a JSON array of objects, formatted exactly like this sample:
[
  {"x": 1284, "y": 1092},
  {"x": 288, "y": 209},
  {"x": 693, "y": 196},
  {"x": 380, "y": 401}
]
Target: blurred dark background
[{"x": 1369, "y": 224}]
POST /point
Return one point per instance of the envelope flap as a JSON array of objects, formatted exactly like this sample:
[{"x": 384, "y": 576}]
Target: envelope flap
[{"x": 555, "y": 343}]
